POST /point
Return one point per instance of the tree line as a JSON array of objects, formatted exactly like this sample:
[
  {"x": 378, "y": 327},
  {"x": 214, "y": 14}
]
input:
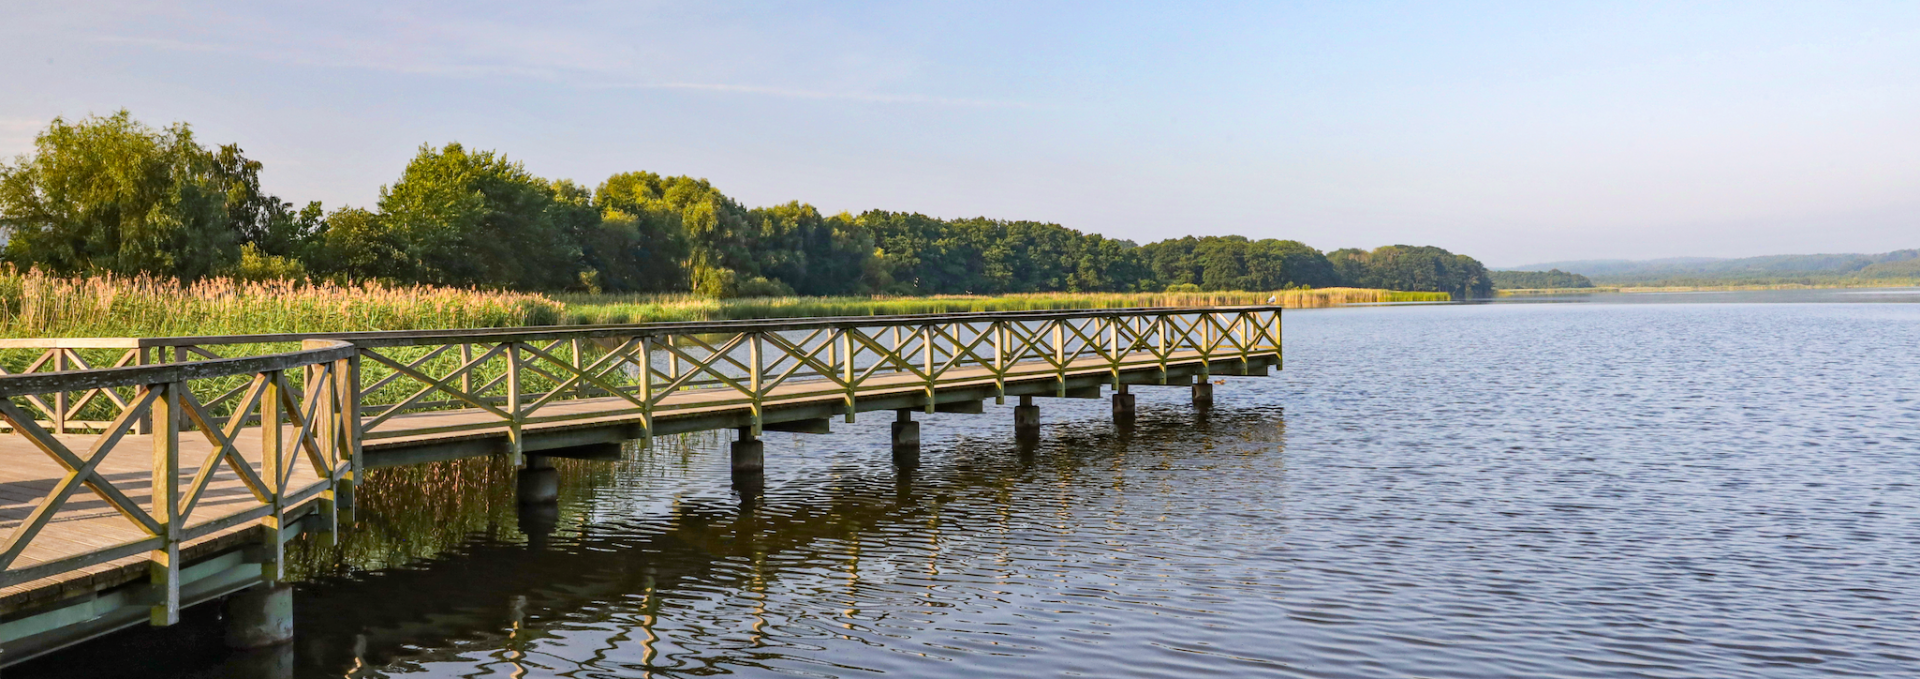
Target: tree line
[
  {"x": 108, "y": 194},
  {"x": 1538, "y": 280}
]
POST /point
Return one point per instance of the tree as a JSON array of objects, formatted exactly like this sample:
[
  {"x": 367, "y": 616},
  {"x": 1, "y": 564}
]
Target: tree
[
  {"x": 475, "y": 218},
  {"x": 110, "y": 195},
  {"x": 1413, "y": 268}
]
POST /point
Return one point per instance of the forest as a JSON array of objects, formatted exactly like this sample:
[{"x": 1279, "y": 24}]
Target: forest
[
  {"x": 108, "y": 194},
  {"x": 1538, "y": 280}
]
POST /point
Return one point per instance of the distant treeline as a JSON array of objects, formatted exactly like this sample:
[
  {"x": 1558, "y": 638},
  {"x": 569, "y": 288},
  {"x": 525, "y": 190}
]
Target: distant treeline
[
  {"x": 1538, "y": 280},
  {"x": 1886, "y": 268},
  {"x": 110, "y": 195}
]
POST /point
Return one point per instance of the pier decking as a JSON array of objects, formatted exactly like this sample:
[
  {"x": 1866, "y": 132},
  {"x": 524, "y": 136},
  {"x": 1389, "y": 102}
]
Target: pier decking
[{"x": 173, "y": 474}]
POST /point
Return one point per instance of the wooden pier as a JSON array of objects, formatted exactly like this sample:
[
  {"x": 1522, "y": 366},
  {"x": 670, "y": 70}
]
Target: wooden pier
[{"x": 141, "y": 475}]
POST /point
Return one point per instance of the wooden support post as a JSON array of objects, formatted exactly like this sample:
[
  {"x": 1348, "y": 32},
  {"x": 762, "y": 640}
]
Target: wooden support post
[
  {"x": 59, "y": 397},
  {"x": 516, "y": 438},
  {"x": 163, "y": 567},
  {"x": 1000, "y": 348},
  {"x": 1060, "y": 354},
  {"x": 144, "y": 426},
  {"x": 1202, "y": 389},
  {"x": 646, "y": 385},
  {"x": 926, "y": 348},
  {"x": 349, "y": 394},
  {"x": 466, "y": 376},
  {"x": 580, "y": 386},
  {"x": 1122, "y": 404},
  {"x": 755, "y": 379},
  {"x": 848, "y": 376},
  {"x": 273, "y": 470}
]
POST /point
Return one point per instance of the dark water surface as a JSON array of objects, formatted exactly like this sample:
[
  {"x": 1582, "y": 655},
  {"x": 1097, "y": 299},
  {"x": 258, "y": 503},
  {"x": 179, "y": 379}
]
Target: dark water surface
[{"x": 1525, "y": 490}]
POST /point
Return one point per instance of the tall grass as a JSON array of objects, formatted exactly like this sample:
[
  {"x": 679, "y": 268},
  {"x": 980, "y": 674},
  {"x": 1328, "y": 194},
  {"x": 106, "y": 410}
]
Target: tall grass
[
  {"x": 641, "y": 308},
  {"x": 37, "y": 304}
]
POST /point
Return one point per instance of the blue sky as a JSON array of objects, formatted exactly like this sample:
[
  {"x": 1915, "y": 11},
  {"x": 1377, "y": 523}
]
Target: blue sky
[{"x": 1515, "y": 132}]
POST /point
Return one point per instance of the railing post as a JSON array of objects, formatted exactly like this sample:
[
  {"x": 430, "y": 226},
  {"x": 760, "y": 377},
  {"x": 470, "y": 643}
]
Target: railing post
[
  {"x": 754, "y": 378},
  {"x": 273, "y": 470},
  {"x": 580, "y": 384},
  {"x": 1160, "y": 344},
  {"x": 466, "y": 376},
  {"x": 144, "y": 425},
  {"x": 846, "y": 352},
  {"x": 1113, "y": 328},
  {"x": 163, "y": 566},
  {"x": 926, "y": 350},
  {"x": 999, "y": 330},
  {"x": 59, "y": 397},
  {"x": 1060, "y": 357},
  {"x": 516, "y": 441},
  {"x": 646, "y": 384},
  {"x": 349, "y": 393}
]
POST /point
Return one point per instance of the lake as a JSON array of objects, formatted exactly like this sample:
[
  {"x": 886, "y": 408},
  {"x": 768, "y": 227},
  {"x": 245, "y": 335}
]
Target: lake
[{"x": 1609, "y": 488}]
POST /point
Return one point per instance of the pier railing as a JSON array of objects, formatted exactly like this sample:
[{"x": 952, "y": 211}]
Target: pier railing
[
  {"x": 266, "y": 404},
  {"x": 523, "y": 377},
  {"x": 293, "y": 401}
]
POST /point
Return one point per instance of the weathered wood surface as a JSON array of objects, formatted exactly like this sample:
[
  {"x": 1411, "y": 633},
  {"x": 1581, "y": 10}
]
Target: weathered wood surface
[{"x": 87, "y": 523}]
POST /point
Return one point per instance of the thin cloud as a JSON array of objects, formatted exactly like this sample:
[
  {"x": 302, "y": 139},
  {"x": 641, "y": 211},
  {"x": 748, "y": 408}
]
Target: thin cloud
[
  {"x": 555, "y": 75},
  {"x": 817, "y": 94}
]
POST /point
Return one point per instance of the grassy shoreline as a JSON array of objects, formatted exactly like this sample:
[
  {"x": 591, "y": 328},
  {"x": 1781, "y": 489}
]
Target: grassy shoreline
[{"x": 36, "y": 304}]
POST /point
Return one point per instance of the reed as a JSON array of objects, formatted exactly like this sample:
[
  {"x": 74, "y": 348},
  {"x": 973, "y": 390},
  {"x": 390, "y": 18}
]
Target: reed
[
  {"x": 643, "y": 308},
  {"x": 37, "y": 304}
]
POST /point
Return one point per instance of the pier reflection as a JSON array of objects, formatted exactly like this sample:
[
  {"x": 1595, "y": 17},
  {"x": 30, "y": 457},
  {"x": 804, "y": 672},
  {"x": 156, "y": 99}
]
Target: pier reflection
[{"x": 412, "y": 584}]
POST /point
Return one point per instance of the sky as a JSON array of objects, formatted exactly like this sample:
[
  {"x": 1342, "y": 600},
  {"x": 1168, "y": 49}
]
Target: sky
[{"x": 1514, "y": 132}]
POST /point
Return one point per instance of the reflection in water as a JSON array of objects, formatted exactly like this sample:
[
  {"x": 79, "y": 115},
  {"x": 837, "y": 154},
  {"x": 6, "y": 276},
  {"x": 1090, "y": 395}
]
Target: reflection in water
[{"x": 1567, "y": 490}]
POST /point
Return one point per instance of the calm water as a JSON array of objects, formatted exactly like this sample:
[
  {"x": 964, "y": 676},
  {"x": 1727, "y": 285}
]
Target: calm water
[{"x": 1506, "y": 490}]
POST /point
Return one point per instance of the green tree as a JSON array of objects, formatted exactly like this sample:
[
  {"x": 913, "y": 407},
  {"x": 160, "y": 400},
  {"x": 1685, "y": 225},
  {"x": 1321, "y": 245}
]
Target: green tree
[
  {"x": 475, "y": 218},
  {"x": 1413, "y": 268},
  {"x": 111, "y": 195}
]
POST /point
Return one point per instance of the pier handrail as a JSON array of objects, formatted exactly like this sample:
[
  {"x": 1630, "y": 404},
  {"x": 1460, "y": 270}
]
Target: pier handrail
[
  {"x": 297, "y": 423},
  {"x": 514, "y": 373}
]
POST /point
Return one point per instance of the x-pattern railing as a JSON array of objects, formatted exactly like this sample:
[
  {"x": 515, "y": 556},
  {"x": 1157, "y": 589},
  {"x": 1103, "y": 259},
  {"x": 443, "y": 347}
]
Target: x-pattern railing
[
  {"x": 267, "y": 429},
  {"x": 372, "y": 386}
]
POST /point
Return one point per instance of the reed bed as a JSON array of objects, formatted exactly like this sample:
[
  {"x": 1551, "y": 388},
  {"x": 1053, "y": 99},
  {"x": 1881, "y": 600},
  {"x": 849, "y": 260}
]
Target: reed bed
[
  {"x": 643, "y": 308},
  {"x": 37, "y": 304}
]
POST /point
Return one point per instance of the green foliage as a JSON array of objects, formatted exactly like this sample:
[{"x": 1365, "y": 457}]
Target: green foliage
[
  {"x": 108, "y": 194},
  {"x": 1236, "y": 263},
  {"x": 256, "y": 265},
  {"x": 1538, "y": 280},
  {"x": 1412, "y": 268},
  {"x": 461, "y": 218}
]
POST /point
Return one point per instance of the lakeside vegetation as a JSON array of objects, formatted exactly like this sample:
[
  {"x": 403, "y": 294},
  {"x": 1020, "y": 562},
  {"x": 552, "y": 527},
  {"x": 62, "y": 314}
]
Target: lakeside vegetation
[
  {"x": 39, "y": 304},
  {"x": 1538, "y": 280},
  {"x": 109, "y": 195}
]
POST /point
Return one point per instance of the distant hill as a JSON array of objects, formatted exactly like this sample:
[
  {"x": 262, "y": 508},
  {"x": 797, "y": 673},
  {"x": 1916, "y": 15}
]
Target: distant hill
[{"x": 1773, "y": 269}]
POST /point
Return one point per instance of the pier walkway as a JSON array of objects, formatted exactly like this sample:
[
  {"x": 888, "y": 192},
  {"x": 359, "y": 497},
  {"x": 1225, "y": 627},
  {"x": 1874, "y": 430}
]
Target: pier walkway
[{"x": 141, "y": 475}]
